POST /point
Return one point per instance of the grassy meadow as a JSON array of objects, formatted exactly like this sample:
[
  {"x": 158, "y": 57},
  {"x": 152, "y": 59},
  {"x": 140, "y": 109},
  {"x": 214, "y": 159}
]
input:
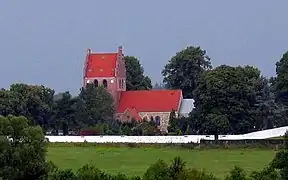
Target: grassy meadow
[{"x": 134, "y": 161}]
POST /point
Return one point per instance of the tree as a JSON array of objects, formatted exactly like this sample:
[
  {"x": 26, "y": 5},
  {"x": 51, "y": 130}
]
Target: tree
[
  {"x": 157, "y": 171},
  {"x": 94, "y": 105},
  {"x": 264, "y": 107},
  {"x": 64, "y": 113},
  {"x": 183, "y": 70},
  {"x": 22, "y": 149},
  {"x": 237, "y": 174},
  {"x": 281, "y": 80},
  {"x": 32, "y": 101},
  {"x": 135, "y": 78},
  {"x": 225, "y": 98},
  {"x": 173, "y": 124}
]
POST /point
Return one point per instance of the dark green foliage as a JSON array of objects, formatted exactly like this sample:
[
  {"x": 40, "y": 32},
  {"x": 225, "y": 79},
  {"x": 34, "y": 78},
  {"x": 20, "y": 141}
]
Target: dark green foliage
[
  {"x": 280, "y": 162},
  {"x": 237, "y": 174},
  {"x": 194, "y": 174},
  {"x": 135, "y": 78},
  {"x": 66, "y": 174},
  {"x": 23, "y": 153},
  {"x": 31, "y": 101},
  {"x": 173, "y": 125},
  {"x": 232, "y": 100},
  {"x": 267, "y": 173},
  {"x": 98, "y": 105},
  {"x": 183, "y": 70},
  {"x": 175, "y": 171},
  {"x": 281, "y": 80},
  {"x": 157, "y": 171}
]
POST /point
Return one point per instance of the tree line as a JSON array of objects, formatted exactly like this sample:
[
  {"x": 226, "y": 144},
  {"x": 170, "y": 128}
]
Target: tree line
[
  {"x": 23, "y": 150},
  {"x": 228, "y": 99}
]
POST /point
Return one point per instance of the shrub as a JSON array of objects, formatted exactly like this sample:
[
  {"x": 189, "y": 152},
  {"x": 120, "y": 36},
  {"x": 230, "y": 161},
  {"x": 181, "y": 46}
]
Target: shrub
[
  {"x": 63, "y": 175},
  {"x": 236, "y": 174}
]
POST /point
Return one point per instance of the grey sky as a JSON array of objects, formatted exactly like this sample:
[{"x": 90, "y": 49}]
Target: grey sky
[{"x": 43, "y": 42}]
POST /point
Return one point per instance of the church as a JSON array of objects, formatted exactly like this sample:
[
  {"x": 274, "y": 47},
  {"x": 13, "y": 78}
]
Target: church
[{"x": 108, "y": 69}]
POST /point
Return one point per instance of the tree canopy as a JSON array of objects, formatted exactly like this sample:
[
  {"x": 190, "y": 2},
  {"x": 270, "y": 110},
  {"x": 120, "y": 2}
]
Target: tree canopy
[
  {"x": 135, "y": 78},
  {"x": 281, "y": 81},
  {"x": 225, "y": 99},
  {"x": 183, "y": 70},
  {"x": 22, "y": 149}
]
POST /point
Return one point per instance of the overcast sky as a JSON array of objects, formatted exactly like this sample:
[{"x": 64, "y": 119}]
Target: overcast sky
[{"x": 44, "y": 42}]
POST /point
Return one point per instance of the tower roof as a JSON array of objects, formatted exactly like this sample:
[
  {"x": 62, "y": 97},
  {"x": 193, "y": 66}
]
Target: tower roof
[
  {"x": 150, "y": 100},
  {"x": 101, "y": 65}
]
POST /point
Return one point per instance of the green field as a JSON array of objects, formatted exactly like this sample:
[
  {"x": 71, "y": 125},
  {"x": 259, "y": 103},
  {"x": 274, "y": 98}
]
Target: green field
[{"x": 134, "y": 161}]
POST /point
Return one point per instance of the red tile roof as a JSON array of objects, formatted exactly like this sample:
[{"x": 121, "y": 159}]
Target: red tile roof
[
  {"x": 101, "y": 65},
  {"x": 150, "y": 101}
]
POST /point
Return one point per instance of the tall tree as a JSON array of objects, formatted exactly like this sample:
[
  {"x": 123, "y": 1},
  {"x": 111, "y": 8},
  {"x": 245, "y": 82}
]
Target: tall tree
[
  {"x": 94, "y": 105},
  {"x": 64, "y": 113},
  {"x": 32, "y": 101},
  {"x": 224, "y": 100},
  {"x": 281, "y": 80},
  {"x": 184, "y": 68},
  {"x": 135, "y": 78},
  {"x": 22, "y": 150}
]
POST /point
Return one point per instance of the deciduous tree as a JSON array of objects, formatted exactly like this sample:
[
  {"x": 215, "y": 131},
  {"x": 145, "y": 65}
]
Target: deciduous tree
[
  {"x": 184, "y": 68},
  {"x": 281, "y": 81},
  {"x": 22, "y": 149},
  {"x": 95, "y": 105},
  {"x": 135, "y": 78},
  {"x": 224, "y": 99}
]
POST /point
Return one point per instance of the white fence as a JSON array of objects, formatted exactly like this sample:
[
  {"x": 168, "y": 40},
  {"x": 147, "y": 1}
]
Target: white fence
[
  {"x": 168, "y": 139},
  {"x": 130, "y": 139}
]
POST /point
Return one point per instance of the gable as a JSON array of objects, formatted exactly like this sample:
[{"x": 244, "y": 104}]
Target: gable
[
  {"x": 130, "y": 114},
  {"x": 150, "y": 100},
  {"x": 101, "y": 65}
]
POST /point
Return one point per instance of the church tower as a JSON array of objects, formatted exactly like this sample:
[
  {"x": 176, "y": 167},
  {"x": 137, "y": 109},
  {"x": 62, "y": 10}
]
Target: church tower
[{"x": 107, "y": 69}]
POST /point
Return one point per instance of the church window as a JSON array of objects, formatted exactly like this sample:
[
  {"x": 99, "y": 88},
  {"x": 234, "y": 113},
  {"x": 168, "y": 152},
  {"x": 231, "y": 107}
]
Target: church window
[
  {"x": 96, "y": 83},
  {"x": 105, "y": 83},
  {"x": 157, "y": 120}
]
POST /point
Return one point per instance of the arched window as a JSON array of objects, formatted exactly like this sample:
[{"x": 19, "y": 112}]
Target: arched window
[
  {"x": 96, "y": 83},
  {"x": 145, "y": 118},
  {"x": 105, "y": 83},
  {"x": 158, "y": 120}
]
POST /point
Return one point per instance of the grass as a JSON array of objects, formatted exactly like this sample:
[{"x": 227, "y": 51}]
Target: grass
[{"x": 135, "y": 161}]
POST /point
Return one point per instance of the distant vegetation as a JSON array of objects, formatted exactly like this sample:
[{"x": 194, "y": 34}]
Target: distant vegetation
[
  {"x": 228, "y": 100},
  {"x": 23, "y": 155}
]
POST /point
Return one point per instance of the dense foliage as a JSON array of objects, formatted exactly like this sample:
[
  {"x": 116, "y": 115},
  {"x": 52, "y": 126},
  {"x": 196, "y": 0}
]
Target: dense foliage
[
  {"x": 183, "y": 70},
  {"x": 23, "y": 156},
  {"x": 136, "y": 80},
  {"x": 228, "y": 100}
]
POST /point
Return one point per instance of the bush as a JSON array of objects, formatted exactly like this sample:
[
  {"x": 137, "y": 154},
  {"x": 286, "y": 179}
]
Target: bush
[{"x": 67, "y": 174}]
